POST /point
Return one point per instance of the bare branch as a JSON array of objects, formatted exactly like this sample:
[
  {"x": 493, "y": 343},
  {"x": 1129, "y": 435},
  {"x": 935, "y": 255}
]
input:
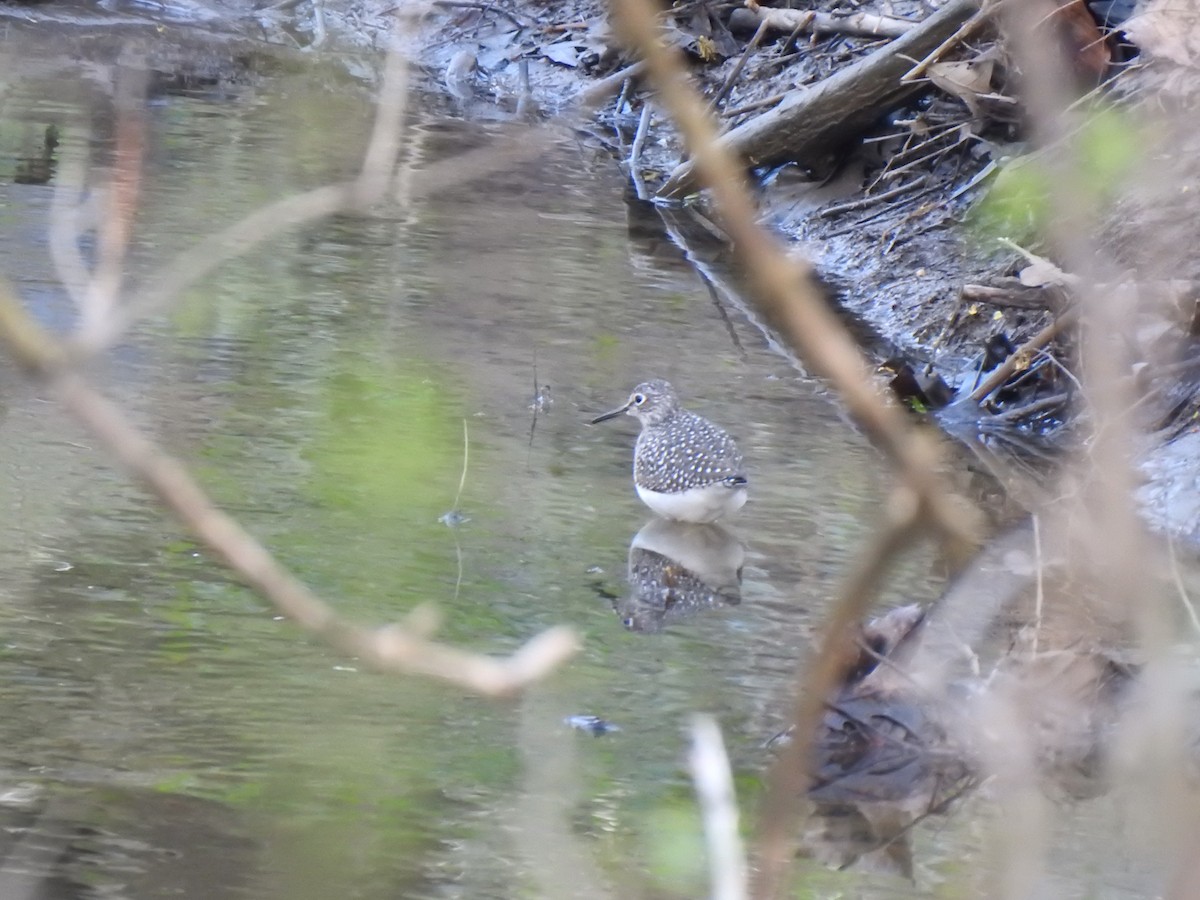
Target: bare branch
[
  {"x": 718, "y": 803},
  {"x": 731, "y": 80},
  {"x": 388, "y": 132},
  {"x": 858, "y": 24},
  {"x": 1003, "y": 371},
  {"x": 119, "y": 204},
  {"x": 789, "y": 776},
  {"x": 599, "y": 91},
  {"x": 387, "y": 649}
]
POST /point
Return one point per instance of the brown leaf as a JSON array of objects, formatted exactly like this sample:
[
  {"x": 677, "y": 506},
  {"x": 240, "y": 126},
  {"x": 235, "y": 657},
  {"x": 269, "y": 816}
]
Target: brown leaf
[
  {"x": 967, "y": 80},
  {"x": 1082, "y": 38}
]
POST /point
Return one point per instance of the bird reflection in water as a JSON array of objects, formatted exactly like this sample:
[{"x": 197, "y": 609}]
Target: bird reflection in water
[{"x": 677, "y": 569}]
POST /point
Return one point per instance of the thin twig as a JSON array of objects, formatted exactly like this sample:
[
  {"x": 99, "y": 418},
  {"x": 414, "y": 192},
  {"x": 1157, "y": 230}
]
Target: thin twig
[
  {"x": 790, "y": 40},
  {"x": 928, "y": 160},
  {"x": 466, "y": 455},
  {"x": 635, "y": 153},
  {"x": 1028, "y": 411},
  {"x": 1067, "y": 373},
  {"x": 1040, "y": 595},
  {"x": 838, "y": 208},
  {"x": 966, "y": 30},
  {"x": 1003, "y": 371},
  {"x": 485, "y": 7},
  {"x": 622, "y": 99},
  {"x": 732, "y": 78},
  {"x": 715, "y": 296},
  {"x": 790, "y": 774},
  {"x": 1177, "y": 578},
  {"x": 390, "y": 648},
  {"x": 454, "y": 518},
  {"x": 753, "y": 107},
  {"x": 938, "y": 808}
]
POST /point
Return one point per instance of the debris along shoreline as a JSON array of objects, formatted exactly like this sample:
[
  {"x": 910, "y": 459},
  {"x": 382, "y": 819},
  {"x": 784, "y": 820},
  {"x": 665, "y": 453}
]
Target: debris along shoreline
[{"x": 894, "y": 145}]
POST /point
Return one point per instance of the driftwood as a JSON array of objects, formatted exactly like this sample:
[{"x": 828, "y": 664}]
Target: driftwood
[
  {"x": 841, "y": 107},
  {"x": 1010, "y": 293},
  {"x": 598, "y": 92},
  {"x": 859, "y": 24}
]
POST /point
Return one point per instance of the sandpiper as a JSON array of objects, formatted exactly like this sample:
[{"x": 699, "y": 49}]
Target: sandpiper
[{"x": 685, "y": 467}]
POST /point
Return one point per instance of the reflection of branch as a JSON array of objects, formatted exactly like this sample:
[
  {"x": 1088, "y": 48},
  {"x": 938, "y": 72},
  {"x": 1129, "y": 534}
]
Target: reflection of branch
[
  {"x": 790, "y": 777},
  {"x": 192, "y": 265},
  {"x": 369, "y": 187},
  {"x": 388, "y": 649},
  {"x": 281, "y": 216},
  {"x": 110, "y": 212},
  {"x": 119, "y": 204},
  {"x": 67, "y": 217},
  {"x": 785, "y": 291}
]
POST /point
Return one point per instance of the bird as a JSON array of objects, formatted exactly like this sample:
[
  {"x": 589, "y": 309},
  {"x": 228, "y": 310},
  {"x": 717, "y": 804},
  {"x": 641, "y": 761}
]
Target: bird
[{"x": 685, "y": 468}]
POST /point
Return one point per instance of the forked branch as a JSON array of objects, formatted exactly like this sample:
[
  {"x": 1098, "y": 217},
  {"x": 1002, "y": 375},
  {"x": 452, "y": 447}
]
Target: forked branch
[{"x": 387, "y": 649}]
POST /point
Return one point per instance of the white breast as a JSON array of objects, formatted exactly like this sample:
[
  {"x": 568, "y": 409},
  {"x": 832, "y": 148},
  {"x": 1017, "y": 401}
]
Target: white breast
[{"x": 702, "y": 504}]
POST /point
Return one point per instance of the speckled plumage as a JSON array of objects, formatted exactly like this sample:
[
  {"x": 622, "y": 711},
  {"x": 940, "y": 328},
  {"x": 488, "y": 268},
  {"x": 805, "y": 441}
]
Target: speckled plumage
[
  {"x": 680, "y": 452},
  {"x": 684, "y": 451}
]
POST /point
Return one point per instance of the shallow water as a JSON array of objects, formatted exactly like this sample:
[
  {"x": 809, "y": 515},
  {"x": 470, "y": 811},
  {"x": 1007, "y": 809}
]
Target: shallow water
[{"x": 168, "y": 735}]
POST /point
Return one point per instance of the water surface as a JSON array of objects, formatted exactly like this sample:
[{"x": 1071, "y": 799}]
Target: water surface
[{"x": 169, "y": 735}]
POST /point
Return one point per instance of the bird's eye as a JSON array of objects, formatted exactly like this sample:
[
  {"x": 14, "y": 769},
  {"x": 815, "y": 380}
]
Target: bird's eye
[{"x": 639, "y": 399}]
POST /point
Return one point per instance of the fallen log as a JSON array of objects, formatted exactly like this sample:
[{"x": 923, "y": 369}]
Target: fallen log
[
  {"x": 827, "y": 115},
  {"x": 859, "y": 24}
]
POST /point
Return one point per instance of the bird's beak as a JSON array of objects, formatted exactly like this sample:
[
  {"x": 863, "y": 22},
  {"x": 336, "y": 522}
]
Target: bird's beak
[{"x": 611, "y": 415}]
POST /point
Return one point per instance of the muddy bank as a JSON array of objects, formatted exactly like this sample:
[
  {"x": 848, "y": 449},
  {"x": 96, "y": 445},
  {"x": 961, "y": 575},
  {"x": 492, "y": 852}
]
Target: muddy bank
[{"x": 883, "y": 183}]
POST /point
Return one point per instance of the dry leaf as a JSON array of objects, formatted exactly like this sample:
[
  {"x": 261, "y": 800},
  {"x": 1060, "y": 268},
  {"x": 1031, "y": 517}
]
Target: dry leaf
[
  {"x": 966, "y": 80},
  {"x": 1167, "y": 29},
  {"x": 706, "y": 49},
  {"x": 1042, "y": 272},
  {"x": 959, "y": 78}
]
